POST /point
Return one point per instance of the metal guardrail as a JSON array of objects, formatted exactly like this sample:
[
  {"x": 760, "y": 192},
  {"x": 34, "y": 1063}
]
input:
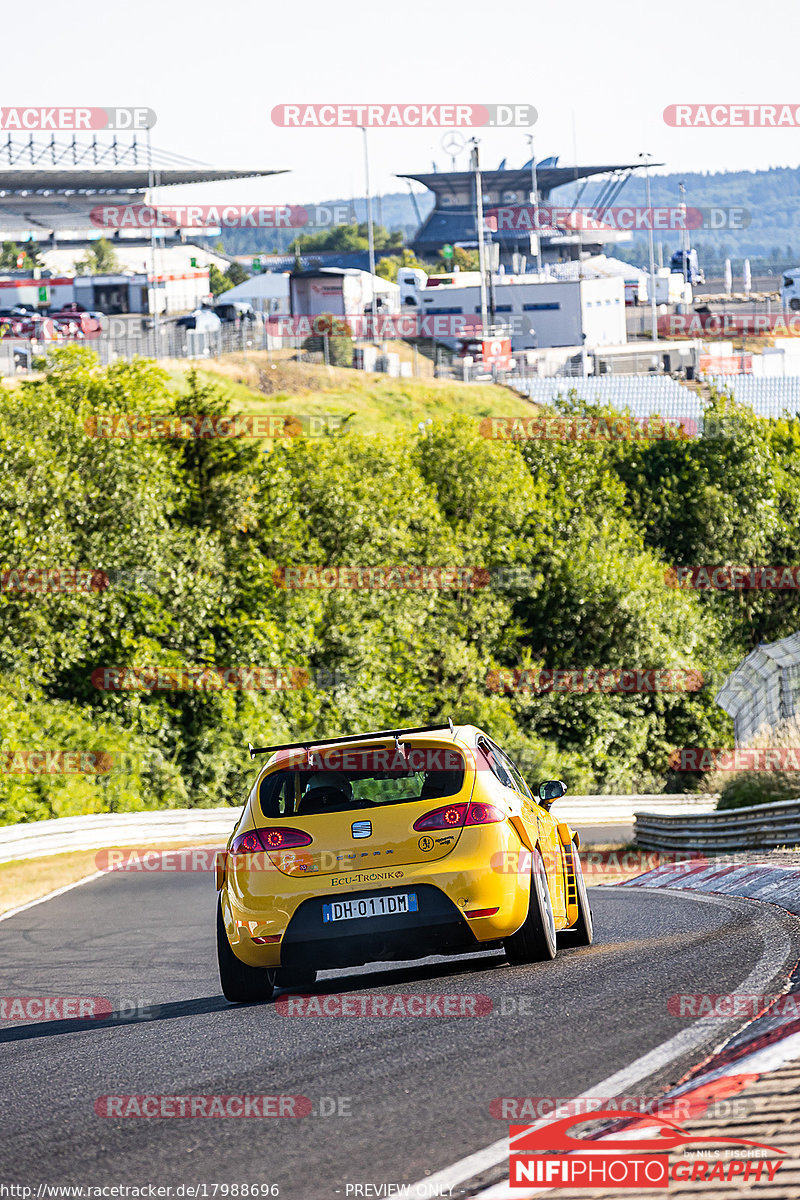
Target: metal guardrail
[
  {"x": 621, "y": 810},
  {"x": 759, "y": 826},
  {"x": 36, "y": 839}
]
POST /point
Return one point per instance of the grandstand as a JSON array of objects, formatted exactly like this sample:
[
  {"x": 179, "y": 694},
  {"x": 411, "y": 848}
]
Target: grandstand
[
  {"x": 453, "y": 216},
  {"x": 48, "y": 189},
  {"x": 768, "y": 396},
  {"x": 642, "y": 395}
]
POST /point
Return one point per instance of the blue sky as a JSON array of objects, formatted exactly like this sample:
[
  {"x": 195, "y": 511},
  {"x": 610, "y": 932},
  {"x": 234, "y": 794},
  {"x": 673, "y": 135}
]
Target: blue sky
[{"x": 599, "y": 74}]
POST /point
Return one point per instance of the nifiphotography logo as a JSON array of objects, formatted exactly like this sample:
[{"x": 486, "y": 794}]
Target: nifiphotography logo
[{"x": 550, "y": 1155}]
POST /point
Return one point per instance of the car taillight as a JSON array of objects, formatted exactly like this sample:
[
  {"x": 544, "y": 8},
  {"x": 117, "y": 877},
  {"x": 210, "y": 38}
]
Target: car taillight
[
  {"x": 453, "y": 816},
  {"x": 269, "y": 839},
  {"x": 483, "y": 814},
  {"x": 449, "y": 817}
]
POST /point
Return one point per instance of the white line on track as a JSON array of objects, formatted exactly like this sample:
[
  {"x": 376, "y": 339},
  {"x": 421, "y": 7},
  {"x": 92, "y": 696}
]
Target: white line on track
[
  {"x": 13, "y": 912},
  {"x": 775, "y": 955}
]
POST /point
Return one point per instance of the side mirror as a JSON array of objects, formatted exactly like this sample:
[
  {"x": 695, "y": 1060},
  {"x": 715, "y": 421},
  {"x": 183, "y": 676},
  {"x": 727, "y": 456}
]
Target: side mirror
[{"x": 550, "y": 790}]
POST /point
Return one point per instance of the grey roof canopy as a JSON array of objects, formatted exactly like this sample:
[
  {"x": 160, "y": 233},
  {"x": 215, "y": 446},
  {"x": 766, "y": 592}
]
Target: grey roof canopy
[
  {"x": 88, "y": 181},
  {"x": 764, "y": 689}
]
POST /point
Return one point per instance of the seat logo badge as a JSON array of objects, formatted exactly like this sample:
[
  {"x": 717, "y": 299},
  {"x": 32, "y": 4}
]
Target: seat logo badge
[{"x": 361, "y": 829}]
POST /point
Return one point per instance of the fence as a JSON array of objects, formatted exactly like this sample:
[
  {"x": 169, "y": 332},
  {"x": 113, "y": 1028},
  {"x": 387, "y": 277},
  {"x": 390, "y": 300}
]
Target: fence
[
  {"x": 759, "y": 826},
  {"x": 36, "y": 839}
]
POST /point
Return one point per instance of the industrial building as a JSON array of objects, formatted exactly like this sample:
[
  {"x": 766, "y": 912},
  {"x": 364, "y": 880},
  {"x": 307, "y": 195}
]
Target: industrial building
[{"x": 541, "y": 312}]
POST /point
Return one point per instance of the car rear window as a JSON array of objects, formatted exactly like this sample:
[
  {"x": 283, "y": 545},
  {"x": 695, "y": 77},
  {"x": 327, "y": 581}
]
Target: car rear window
[{"x": 320, "y": 789}]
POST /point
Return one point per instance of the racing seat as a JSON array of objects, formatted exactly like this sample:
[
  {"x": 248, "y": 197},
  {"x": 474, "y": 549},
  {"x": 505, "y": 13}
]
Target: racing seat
[
  {"x": 439, "y": 783},
  {"x": 326, "y": 799}
]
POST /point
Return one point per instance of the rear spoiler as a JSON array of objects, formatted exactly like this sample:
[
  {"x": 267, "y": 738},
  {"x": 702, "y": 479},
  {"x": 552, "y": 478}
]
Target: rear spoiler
[{"x": 356, "y": 737}]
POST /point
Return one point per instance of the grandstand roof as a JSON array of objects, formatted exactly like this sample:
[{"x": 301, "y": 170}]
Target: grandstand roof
[
  {"x": 89, "y": 181},
  {"x": 547, "y": 178}
]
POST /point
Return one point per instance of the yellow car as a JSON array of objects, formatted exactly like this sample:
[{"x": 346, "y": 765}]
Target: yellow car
[{"x": 390, "y": 846}]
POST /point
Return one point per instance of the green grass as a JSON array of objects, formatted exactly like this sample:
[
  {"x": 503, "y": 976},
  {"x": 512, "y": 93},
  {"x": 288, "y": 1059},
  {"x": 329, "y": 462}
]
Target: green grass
[{"x": 379, "y": 404}]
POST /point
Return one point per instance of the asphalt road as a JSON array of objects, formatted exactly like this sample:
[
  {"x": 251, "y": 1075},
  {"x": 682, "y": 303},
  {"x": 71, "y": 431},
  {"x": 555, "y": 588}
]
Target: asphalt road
[{"x": 411, "y": 1095}]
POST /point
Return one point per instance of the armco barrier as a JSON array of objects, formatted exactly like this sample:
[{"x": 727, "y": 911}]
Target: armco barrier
[
  {"x": 39, "y": 838},
  {"x": 759, "y": 826},
  {"x": 620, "y": 810}
]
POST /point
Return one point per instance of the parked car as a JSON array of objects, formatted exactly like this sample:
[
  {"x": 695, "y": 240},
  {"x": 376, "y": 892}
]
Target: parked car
[
  {"x": 235, "y": 312},
  {"x": 202, "y": 319},
  {"x": 75, "y": 322}
]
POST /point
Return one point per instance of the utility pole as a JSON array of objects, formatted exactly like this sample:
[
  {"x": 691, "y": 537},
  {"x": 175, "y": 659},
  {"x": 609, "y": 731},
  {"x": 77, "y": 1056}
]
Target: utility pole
[
  {"x": 151, "y": 197},
  {"x": 653, "y": 306},
  {"x": 371, "y": 237},
  {"x": 535, "y": 202},
  {"x": 481, "y": 248}
]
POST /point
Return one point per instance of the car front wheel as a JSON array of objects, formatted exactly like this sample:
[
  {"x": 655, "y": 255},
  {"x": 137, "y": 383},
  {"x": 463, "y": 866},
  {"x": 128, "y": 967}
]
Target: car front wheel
[{"x": 535, "y": 940}]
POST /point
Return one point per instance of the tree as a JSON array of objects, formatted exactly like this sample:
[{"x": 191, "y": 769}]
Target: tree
[
  {"x": 347, "y": 238},
  {"x": 236, "y": 274},
  {"x": 101, "y": 259},
  {"x": 217, "y": 280},
  {"x": 388, "y": 267},
  {"x": 9, "y": 256},
  {"x": 465, "y": 260},
  {"x": 222, "y": 281}
]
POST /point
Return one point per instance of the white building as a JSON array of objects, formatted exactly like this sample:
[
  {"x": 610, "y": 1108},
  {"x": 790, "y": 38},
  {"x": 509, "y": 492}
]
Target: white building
[
  {"x": 342, "y": 291},
  {"x": 268, "y": 293},
  {"x": 542, "y": 312}
]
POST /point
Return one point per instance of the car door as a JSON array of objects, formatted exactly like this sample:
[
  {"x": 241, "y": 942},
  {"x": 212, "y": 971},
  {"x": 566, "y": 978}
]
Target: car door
[{"x": 543, "y": 828}]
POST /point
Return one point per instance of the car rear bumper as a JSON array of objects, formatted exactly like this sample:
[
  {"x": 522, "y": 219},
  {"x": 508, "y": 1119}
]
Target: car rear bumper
[
  {"x": 436, "y": 928},
  {"x": 448, "y": 889}
]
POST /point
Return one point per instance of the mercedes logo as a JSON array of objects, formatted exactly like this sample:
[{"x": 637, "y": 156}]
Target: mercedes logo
[{"x": 453, "y": 141}]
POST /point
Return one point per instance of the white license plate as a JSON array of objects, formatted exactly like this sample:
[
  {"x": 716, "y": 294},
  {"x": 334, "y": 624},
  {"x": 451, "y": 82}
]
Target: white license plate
[{"x": 373, "y": 906}]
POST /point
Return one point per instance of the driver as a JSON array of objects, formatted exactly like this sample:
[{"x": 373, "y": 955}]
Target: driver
[{"x": 326, "y": 789}]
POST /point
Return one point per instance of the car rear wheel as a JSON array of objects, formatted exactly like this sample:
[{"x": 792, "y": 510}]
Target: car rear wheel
[
  {"x": 240, "y": 983},
  {"x": 581, "y": 933},
  {"x": 535, "y": 940}
]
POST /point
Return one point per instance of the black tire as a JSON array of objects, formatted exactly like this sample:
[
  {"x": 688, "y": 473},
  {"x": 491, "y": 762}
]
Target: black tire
[
  {"x": 240, "y": 984},
  {"x": 582, "y": 932},
  {"x": 294, "y": 977},
  {"x": 535, "y": 940}
]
